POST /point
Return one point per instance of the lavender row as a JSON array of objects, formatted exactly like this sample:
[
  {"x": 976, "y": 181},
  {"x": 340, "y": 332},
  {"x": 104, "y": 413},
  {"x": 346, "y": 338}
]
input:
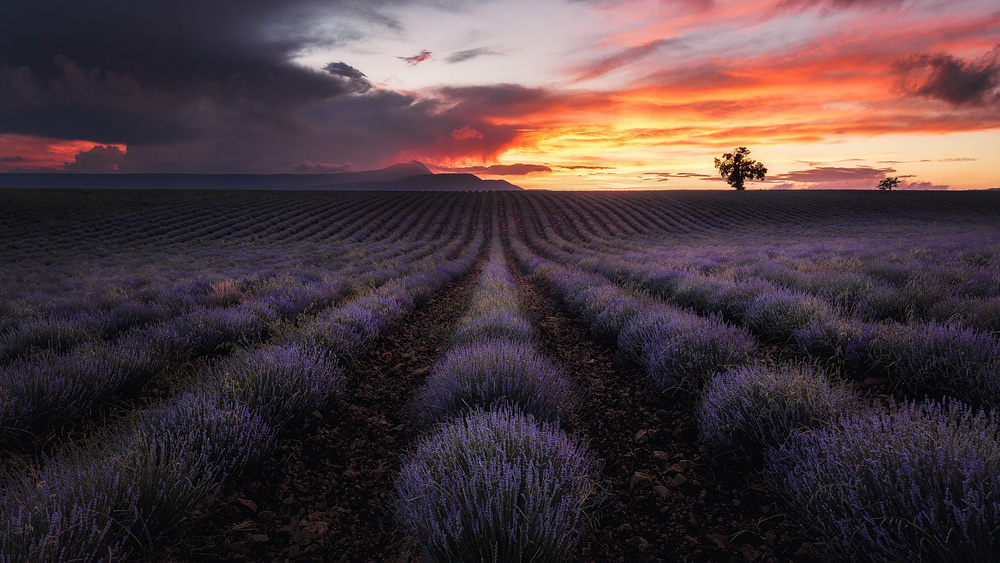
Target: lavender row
[
  {"x": 679, "y": 350},
  {"x": 948, "y": 278},
  {"x": 143, "y": 300},
  {"x": 944, "y": 283},
  {"x": 42, "y": 391},
  {"x": 920, "y": 358},
  {"x": 100, "y": 505},
  {"x": 492, "y": 360},
  {"x": 492, "y": 482},
  {"x": 145, "y": 292},
  {"x": 917, "y": 358},
  {"x": 917, "y": 481}
]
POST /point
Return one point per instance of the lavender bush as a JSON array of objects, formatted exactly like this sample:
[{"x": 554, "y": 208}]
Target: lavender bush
[
  {"x": 919, "y": 482},
  {"x": 49, "y": 333},
  {"x": 749, "y": 409},
  {"x": 934, "y": 357},
  {"x": 680, "y": 350},
  {"x": 490, "y": 373},
  {"x": 75, "y": 509},
  {"x": 776, "y": 316},
  {"x": 492, "y": 324},
  {"x": 282, "y": 383},
  {"x": 496, "y": 486},
  {"x": 225, "y": 434}
]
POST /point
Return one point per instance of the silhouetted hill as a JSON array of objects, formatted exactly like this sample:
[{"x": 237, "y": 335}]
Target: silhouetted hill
[
  {"x": 408, "y": 176},
  {"x": 434, "y": 183}
]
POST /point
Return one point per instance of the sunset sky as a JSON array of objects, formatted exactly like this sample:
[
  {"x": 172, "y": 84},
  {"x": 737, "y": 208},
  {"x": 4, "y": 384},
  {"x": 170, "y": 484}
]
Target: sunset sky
[{"x": 559, "y": 94}]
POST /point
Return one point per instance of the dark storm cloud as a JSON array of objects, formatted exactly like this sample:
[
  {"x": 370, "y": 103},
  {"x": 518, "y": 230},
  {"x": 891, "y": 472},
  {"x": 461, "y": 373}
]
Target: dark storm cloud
[
  {"x": 951, "y": 79},
  {"x": 369, "y": 130},
  {"x": 469, "y": 54},
  {"x": 139, "y": 72},
  {"x": 212, "y": 87},
  {"x": 98, "y": 159},
  {"x": 12, "y": 159}
]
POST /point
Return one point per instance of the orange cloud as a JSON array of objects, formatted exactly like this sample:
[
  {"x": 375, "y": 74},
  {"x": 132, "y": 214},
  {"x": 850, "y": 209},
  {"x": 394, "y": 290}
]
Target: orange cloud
[{"x": 32, "y": 154}]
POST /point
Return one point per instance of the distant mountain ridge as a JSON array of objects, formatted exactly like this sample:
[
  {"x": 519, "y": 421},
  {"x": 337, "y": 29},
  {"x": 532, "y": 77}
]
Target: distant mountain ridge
[{"x": 406, "y": 176}]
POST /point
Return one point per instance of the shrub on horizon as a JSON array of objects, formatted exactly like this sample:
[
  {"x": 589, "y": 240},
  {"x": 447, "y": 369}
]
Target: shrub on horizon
[{"x": 496, "y": 486}]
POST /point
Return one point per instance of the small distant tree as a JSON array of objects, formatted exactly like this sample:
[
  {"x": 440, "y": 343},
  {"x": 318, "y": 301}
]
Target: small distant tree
[
  {"x": 736, "y": 168},
  {"x": 888, "y": 183}
]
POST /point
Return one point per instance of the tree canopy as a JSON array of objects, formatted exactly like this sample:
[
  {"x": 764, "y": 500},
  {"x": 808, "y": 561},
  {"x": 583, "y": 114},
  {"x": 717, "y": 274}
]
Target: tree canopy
[
  {"x": 736, "y": 168},
  {"x": 888, "y": 183}
]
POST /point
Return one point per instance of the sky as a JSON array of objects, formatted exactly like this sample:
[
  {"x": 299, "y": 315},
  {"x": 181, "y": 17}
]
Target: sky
[{"x": 556, "y": 94}]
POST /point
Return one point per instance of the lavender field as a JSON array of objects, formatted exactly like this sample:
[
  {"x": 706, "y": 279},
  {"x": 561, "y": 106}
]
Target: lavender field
[{"x": 501, "y": 376}]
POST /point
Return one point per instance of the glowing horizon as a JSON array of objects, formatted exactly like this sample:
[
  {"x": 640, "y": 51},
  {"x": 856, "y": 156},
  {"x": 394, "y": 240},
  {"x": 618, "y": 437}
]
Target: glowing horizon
[{"x": 574, "y": 94}]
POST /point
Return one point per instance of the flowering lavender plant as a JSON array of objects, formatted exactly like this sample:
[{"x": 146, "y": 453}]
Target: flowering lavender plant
[
  {"x": 494, "y": 372},
  {"x": 775, "y": 316},
  {"x": 681, "y": 350},
  {"x": 281, "y": 382},
  {"x": 73, "y": 510},
  {"x": 749, "y": 409},
  {"x": 918, "y": 482},
  {"x": 496, "y": 486}
]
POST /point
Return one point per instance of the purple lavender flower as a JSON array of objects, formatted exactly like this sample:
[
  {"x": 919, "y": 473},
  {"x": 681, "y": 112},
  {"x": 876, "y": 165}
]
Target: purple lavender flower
[
  {"x": 680, "y": 350},
  {"x": 918, "y": 482},
  {"x": 775, "y": 316},
  {"x": 496, "y": 372},
  {"x": 282, "y": 383},
  {"x": 75, "y": 509},
  {"x": 749, "y": 409},
  {"x": 496, "y": 486}
]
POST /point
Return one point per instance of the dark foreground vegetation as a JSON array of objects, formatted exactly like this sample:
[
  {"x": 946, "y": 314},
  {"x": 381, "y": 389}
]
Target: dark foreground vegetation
[{"x": 499, "y": 376}]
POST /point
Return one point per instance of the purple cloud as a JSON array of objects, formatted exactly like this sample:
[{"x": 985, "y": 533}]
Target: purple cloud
[
  {"x": 97, "y": 160},
  {"x": 945, "y": 77},
  {"x": 504, "y": 169}
]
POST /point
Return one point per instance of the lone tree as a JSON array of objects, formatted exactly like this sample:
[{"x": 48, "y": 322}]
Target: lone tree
[
  {"x": 736, "y": 168},
  {"x": 888, "y": 183}
]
